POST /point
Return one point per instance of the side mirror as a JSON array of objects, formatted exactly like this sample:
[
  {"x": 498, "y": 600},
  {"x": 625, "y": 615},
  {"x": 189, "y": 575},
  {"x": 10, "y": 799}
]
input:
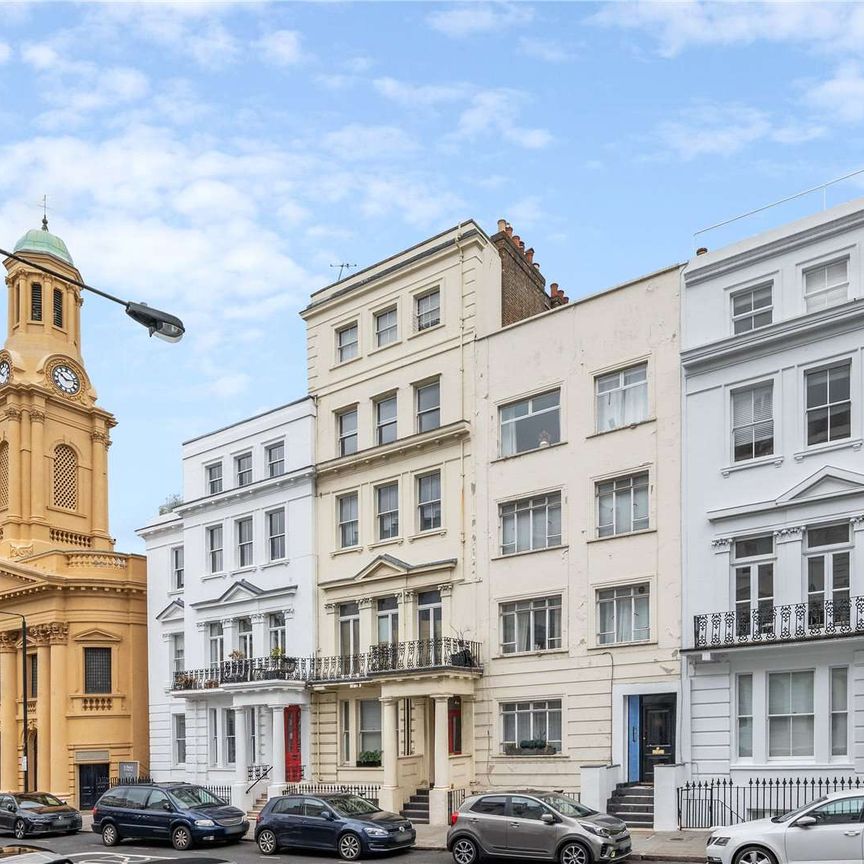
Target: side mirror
[
  {"x": 10, "y": 808},
  {"x": 805, "y": 821},
  {"x": 328, "y": 815},
  {"x": 547, "y": 819},
  {"x": 166, "y": 805}
]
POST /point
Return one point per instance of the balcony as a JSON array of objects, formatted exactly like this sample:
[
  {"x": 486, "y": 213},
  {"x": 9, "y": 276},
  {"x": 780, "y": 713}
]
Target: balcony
[
  {"x": 769, "y": 625},
  {"x": 399, "y": 657}
]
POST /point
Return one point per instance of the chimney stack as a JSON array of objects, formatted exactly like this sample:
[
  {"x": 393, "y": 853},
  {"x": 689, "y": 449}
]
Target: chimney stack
[{"x": 702, "y": 250}]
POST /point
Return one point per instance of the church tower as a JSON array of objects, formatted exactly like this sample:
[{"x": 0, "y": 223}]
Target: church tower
[{"x": 53, "y": 438}]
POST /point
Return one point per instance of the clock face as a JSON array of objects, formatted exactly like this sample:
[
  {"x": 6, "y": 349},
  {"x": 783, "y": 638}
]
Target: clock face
[
  {"x": 5, "y": 371},
  {"x": 66, "y": 379}
]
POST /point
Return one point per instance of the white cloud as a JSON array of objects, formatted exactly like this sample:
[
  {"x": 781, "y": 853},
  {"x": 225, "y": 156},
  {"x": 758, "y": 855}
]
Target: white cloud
[
  {"x": 281, "y": 48},
  {"x": 230, "y": 385},
  {"x": 548, "y": 50},
  {"x": 469, "y": 19},
  {"x": 840, "y": 97},
  {"x": 5, "y": 52},
  {"x": 358, "y": 142},
  {"x": 420, "y": 94},
  {"x": 497, "y": 111}
]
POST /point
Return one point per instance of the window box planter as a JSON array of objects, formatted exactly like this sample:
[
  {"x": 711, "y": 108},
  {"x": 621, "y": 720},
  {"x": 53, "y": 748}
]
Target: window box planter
[
  {"x": 369, "y": 759},
  {"x": 530, "y": 748}
]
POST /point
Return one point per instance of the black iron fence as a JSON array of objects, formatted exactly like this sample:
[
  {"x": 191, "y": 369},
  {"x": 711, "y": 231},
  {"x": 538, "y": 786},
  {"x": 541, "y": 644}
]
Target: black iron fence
[
  {"x": 369, "y": 791},
  {"x": 719, "y": 801},
  {"x": 417, "y": 655},
  {"x": 130, "y": 781},
  {"x": 455, "y": 799},
  {"x": 790, "y": 622},
  {"x": 223, "y": 792}
]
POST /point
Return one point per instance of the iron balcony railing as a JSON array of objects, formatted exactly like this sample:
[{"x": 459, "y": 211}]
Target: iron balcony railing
[
  {"x": 416, "y": 656},
  {"x": 788, "y": 623}
]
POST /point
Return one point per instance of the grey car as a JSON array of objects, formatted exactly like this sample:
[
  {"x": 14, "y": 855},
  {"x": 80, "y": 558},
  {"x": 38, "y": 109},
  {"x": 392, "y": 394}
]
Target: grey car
[{"x": 545, "y": 826}]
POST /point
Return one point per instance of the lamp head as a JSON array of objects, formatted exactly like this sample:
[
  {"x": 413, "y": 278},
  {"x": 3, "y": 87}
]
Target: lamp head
[{"x": 162, "y": 324}]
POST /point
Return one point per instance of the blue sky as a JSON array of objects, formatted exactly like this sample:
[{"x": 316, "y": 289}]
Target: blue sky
[{"x": 216, "y": 159}]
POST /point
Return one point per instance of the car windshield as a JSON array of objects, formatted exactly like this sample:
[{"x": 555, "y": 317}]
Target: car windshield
[
  {"x": 195, "y": 796},
  {"x": 566, "y": 806},
  {"x": 31, "y": 802},
  {"x": 352, "y": 805},
  {"x": 791, "y": 814}
]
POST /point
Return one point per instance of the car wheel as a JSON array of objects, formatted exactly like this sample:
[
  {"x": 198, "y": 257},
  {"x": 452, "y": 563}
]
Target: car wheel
[
  {"x": 20, "y": 829},
  {"x": 465, "y": 851},
  {"x": 575, "y": 853},
  {"x": 110, "y": 835},
  {"x": 267, "y": 842},
  {"x": 181, "y": 838},
  {"x": 754, "y": 855},
  {"x": 349, "y": 847}
]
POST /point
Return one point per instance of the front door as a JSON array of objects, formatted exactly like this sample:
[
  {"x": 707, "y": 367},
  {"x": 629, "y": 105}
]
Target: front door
[
  {"x": 293, "y": 756},
  {"x": 92, "y": 782},
  {"x": 836, "y": 838},
  {"x": 657, "y": 732}
]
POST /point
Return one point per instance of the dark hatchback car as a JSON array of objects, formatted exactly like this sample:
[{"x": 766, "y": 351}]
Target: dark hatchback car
[
  {"x": 26, "y": 813},
  {"x": 19, "y": 854},
  {"x": 343, "y": 823},
  {"x": 180, "y": 812}
]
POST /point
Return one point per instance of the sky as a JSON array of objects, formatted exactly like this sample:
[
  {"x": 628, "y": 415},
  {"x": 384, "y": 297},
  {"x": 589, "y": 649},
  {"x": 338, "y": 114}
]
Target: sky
[{"x": 216, "y": 161}]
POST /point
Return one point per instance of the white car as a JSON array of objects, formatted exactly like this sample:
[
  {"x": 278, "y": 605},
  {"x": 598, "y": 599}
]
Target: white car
[{"x": 829, "y": 830}]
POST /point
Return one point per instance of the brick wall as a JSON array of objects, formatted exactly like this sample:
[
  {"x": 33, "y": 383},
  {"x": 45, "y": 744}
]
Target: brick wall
[{"x": 523, "y": 288}]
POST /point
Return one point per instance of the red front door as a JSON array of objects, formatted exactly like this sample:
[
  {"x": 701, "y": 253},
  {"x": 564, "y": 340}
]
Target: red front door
[{"x": 293, "y": 762}]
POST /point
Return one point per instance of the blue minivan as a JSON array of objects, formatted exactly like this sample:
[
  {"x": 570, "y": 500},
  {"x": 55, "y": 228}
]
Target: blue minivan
[{"x": 180, "y": 812}]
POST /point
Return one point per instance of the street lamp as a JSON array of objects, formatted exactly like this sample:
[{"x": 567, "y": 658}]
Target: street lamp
[
  {"x": 24, "y": 762},
  {"x": 162, "y": 324}
]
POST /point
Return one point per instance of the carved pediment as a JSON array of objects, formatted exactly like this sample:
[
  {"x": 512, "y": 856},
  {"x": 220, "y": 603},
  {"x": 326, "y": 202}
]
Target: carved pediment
[
  {"x": 389, "y": 567},
  {"x": 174, "y": 611},
  {"x": 97, "y": 635},
  {"x": 828, "y": 482}
]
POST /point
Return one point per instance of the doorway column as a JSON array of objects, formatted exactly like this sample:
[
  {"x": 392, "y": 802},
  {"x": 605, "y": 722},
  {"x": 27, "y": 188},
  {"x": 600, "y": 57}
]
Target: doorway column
[
  {"x": 438, "y": 814},
  {"x": 239, "y": 796},
  {"x": 390, "y": 797},
  {"x": 43, "y": 716},
  {"x": 60, "y": 782},
  {"x": 8, "y": 714},
  {"x": 278, "y": 772}
]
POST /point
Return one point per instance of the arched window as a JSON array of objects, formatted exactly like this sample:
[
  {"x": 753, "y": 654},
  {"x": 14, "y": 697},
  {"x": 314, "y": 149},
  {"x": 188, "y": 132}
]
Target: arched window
[
  {"x": 4, "y": 475},
  {"x": 35, "y": 302},
  {"x": 65, "y": 477}
]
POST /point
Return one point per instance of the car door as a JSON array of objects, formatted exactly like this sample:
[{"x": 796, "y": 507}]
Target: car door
[
  {"x": 131, "y": 821},
  {"x": 285, "y": 820},
  {"x": 7, "y": 812},
  {"x": 836, "y": 838},
  {"x": 488, "y": 820},
  {"x": 319, "y": 827},
  {"x": 527, "y": 833},
  {"x": 157, "y": 815}
]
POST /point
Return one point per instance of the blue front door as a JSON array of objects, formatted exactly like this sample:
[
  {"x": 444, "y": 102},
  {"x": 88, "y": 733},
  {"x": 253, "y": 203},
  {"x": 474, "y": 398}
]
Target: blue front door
[{"x": 633, "y": 738}]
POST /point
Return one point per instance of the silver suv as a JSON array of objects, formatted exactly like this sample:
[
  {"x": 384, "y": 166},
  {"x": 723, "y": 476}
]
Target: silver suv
[{"x": 545, "y": 826}]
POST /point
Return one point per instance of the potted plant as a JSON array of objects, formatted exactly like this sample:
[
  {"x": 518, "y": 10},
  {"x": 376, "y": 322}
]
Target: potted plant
[
  {"x": 210, "y": 684},
  {"x": 369, "y": 759},
  {"x": 184, "y": 681},
  {"x": 236, "y": 654}
]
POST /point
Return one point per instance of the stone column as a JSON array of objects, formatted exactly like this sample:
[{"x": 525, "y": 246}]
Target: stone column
[
  {"x": 277, "y": 785},
  {"x": 239, "y": 797},
  {"x": 15, "y": 477},
  {"x": 26, "y": 477},
  {"x": 408, "y": 616},
  {"x": 43, "y": 716},
  {"x": 60, "y": 783},
  {"x": 99, "y": 444},
  {"x": 390, "y": 796},
  {"x": 37, "y": 450},
  {"x": 9, "y": 777},
  {"x": 438, "y": 814}
]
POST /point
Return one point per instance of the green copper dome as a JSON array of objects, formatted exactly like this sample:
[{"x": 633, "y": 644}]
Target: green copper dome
[{"x": 42, "y": 240}]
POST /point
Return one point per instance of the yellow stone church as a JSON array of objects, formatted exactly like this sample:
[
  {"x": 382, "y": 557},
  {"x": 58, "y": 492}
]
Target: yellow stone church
[{"x": 84, "y": 603}]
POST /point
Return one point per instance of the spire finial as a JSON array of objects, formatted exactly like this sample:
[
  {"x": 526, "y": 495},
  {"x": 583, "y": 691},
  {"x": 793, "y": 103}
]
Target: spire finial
[{"x": 44, "y": 212}]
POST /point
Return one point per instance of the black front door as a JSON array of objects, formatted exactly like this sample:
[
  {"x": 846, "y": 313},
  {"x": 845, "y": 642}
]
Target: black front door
[
  {"x": 657, "y": 725},
  {"x": 92, "y": 782}
]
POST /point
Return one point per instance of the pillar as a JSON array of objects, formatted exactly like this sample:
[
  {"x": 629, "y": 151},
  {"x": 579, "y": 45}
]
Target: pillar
[
  {"x": 59, "y": 747},
  {"x": 277, "y": 785},
  {"x": 9, "y": 717},
  {"x": 43, "y": 717},
  {"x": 26, "y": 477},
  {"x": 99, "y": 443},
  {"x": 37, "y": 465},
  {"x": 438, "y": 814},
  {"x": 239, "y": 795},
  {"x": 390, "y": 797},
  {"x": 15, "y": 478}
]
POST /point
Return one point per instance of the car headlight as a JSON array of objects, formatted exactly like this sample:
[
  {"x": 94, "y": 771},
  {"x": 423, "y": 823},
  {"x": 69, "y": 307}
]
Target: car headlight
[
  {"x": 591, "y": 828},
  {"x": 375, "y": 832},
  {"x": 718, "y": 841},
  {"x": 205, "y": 823}
]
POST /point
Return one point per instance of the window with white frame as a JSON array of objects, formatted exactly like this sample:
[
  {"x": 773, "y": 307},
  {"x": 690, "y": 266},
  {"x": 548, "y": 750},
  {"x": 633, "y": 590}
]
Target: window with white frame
[
  {"x": 252, "y": 732},
  {"x": 243, "y": 469},
  {"x": 349, "y": 629},
  {"x": 346, "y": 431},
  {"x": 621, "y": 397},
  {"x": 753, "y": 569},
  {"x": 530, "y": 523},
  {"x": 790, "y": 714},
  {"x": 214, "y": 478},
  {"x": 277, "y": 633},
  {"x": 839, "y": 711},
  {"x": 245, "y": 551},
  {"x": 828, "y": 554},
  {"x": 388, "y": 620},
  {"x": 347, "y": 514},
  {"x": 345, "y": 714},
  {"x": 428, "y": 398},
  {"x": 216, "y": 642},
  {"x": 178, "y": 652},
  {"x": 744, "y": 692},
  {"x": 531, "y": 625},
  {"x": 369, "y": 731},
  {"x": 275, "y": 459},
  {"x": 177, "y": 568},
  {"x": 276, "y": 534},
  {"x": 214, "y": 548},
  {"x": 212, "y": 736},
  {"x": 229, "y": 748},
  {"x": 623, "y": 614},
  {"x": 245, "y": 642},
  {"x": 753, "y": 422},
  {"x": 386, "y": 327},
  {"x": 829, "y": 404},
  {"x": 530, "y": 424},
  {"x": 347, "y": 343},
  {"x": 179, "y": 739},
  {"x": 429, "y": 501},
  {"x": 387, "y": 510},
  {"x": 752, "y": 308},
  {"x": 427, "y": 310},
  {"x": 826, "y": 285},
  {"x": 537, "y": 722},
  {"x": 385, "y": 419},
  {"x": 622, "y": 504}
]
